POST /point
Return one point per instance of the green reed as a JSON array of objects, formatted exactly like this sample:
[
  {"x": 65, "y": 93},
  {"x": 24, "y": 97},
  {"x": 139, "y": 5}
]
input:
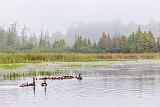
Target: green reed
[
  {"x": 6, "y": 58},
  {"x": 13, "y": 75}
]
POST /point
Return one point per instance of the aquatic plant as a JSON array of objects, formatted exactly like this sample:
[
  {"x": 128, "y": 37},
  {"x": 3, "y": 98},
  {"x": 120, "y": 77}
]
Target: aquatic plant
[
  {"x": 14, "y": 75},
  {"x": 12, "y": 65},
  {"x": 72, "y": 57}
]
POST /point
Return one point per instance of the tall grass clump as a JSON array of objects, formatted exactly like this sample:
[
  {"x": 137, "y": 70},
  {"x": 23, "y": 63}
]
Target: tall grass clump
[
  {"x": 72, "y": 57},
  {"x": 14, "y": 75}
]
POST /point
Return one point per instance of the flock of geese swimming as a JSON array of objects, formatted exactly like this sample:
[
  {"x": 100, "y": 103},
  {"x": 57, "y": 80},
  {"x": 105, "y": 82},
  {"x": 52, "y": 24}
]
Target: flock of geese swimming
[{"x": 79, "y": 77}]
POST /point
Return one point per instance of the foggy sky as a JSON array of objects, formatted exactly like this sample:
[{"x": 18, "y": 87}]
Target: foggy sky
[{"x": 59, "y": 14}]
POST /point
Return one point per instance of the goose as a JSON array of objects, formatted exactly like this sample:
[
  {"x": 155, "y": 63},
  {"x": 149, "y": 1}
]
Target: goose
[
  {"x": 79, "y": 77},
  {"x": 44, "y": 83},
  {"x": 26, "y": 84}
]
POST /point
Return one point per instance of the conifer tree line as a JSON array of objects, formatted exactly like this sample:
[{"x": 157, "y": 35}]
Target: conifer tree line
[{"x": 139, "y": 41}]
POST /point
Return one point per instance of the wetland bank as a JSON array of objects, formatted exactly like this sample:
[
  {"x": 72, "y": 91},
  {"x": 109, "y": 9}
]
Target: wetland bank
[{"x": 125, "y": 82}]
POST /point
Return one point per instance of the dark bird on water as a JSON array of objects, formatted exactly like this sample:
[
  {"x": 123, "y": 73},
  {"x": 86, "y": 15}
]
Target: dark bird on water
[
  {"x": 44, "y": 83},
  {"x": 27, "y": 84},
  {"x": 79, "y": 77}
]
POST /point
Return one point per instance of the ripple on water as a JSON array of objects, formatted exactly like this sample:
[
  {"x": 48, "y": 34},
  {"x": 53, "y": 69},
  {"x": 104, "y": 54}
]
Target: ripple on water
[{"x": 121, "y": 84}]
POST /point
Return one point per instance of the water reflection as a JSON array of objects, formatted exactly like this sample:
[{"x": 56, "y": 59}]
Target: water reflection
[
  {"x": 45, "y": 90},
  {"x": 34, "y": 90},
  {"x": 125, "y": 84}
]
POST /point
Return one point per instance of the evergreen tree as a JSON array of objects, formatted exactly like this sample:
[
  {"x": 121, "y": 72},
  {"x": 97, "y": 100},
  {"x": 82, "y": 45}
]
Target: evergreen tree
[
  {"x": 151, "y": 45},
  {"x": 82, "y": 44},
  {"x": 158, "y": 44},
  {"x": 103, "y": 43}
]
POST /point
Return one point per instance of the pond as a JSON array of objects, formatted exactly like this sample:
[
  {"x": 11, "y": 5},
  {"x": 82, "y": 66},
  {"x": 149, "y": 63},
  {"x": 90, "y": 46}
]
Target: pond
[{"x": 104, "y": 84}]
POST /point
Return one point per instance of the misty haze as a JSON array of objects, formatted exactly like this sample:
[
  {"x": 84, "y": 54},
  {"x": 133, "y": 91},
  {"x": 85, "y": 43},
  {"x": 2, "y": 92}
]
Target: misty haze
[{"x": 79, "y": 53}]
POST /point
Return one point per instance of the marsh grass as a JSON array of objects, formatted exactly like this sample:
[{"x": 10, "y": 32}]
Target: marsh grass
[
  {"x": 14, "y": 76},
  {"x": 73, "y": 57},
  {"x": 12, "y": 65}
]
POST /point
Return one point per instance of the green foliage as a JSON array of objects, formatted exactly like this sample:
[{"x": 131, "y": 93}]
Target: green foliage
[
  {"x": 11, "y": 41},
  {"x": 158, "y": 44},
  {"x": 142, "y": 42},
  {"x": 12, "y": 65},
  {"x": 60, "y": 45},
  {"x": 82, "y": 44},
  {"x": 13, "y": 75},
  {"x": 104, "y": 42},
  {"x": 12, "y": 59}
]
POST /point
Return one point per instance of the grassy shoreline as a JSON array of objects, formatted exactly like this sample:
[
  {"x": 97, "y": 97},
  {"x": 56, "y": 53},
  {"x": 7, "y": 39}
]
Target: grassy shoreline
[
  {"x": 6, "y": 58},
  {"x": 12, "y": 65}
]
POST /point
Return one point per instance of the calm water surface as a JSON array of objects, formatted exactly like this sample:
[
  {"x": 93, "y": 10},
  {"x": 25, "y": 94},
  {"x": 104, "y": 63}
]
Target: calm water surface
[{"x": 123, "y": 84}]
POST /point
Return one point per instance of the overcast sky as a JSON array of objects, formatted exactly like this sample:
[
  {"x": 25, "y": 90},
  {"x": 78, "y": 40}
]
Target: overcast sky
[{"x": 58, "y": 14}]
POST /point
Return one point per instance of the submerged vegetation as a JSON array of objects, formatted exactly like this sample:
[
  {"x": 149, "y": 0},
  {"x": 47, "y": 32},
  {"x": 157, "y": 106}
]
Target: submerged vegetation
[
  {"x": 14, "y": 75},
  {"x": 47, "y": 69}
]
